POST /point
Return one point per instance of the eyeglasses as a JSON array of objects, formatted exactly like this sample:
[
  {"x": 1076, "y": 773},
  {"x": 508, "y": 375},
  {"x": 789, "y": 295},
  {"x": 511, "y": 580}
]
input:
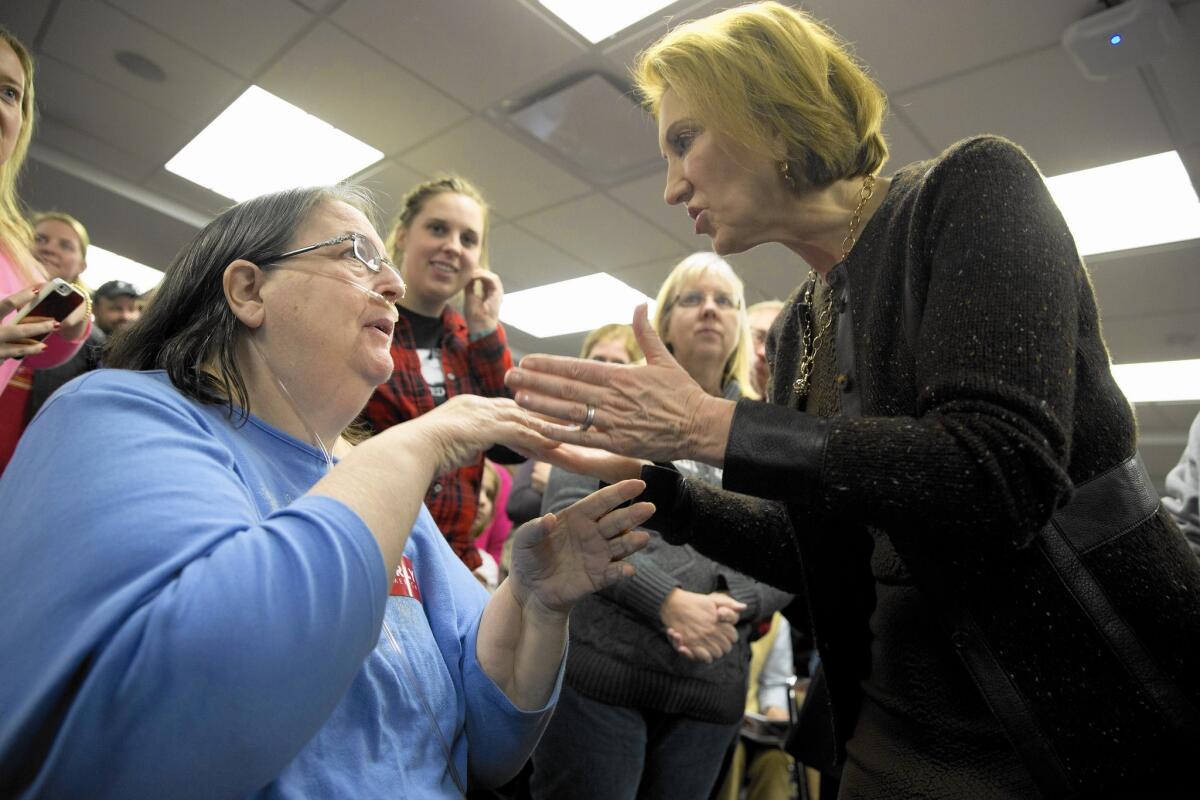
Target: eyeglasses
[
  {"x": 696, "y": 299},
  {"x": 364, "y": 252}
]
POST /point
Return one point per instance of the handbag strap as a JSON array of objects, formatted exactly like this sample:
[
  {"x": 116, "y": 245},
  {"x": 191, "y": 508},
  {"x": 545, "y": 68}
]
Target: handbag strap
[{"x": 1103, "y": 509}]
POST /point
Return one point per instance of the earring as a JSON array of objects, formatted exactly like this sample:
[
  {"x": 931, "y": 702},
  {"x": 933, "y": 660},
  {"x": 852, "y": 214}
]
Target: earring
[{"x": 785, "y": 172}]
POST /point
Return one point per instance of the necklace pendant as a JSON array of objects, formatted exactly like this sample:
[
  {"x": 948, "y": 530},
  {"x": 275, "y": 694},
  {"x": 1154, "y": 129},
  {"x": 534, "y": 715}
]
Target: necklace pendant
[{"x": 801, "y": 385}]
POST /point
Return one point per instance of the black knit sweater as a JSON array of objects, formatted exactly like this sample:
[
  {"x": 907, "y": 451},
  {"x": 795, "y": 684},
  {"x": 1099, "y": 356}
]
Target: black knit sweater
[{"x": 986, "y": 395}]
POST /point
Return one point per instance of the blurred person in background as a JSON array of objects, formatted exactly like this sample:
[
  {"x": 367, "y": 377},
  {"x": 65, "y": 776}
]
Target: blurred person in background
[
  {"x": 1182, "y": 500},
  {"x": 116, "y": 305},
  {"x": 762, "y": 316}
]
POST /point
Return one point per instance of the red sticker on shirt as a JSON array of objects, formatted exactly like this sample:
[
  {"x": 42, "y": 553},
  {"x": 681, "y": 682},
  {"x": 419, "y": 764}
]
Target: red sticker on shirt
[{"x": 405, "y": 582}]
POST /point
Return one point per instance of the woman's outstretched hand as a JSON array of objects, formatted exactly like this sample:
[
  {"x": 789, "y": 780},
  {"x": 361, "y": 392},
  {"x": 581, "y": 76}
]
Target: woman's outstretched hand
[
  {"x": 460, "y": 429},
  {"x": 655, "y": 411},
  {"x": 560, "y": 558}
]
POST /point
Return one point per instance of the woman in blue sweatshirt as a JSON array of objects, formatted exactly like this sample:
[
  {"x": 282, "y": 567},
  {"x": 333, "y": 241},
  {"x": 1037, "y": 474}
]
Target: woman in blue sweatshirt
[{"x": 219, "y": 596}]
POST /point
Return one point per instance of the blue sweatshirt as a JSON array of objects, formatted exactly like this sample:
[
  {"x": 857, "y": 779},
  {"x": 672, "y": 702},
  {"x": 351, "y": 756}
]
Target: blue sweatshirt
[{"x": 180, "y": 621}]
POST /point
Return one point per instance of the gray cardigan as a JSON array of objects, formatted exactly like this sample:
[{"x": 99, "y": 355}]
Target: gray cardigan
[{"x": 619, "y": 652}]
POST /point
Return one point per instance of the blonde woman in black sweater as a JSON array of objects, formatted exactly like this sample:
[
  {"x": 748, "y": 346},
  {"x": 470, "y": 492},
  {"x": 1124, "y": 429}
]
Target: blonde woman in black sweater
[{"x": 946, "y": 466}]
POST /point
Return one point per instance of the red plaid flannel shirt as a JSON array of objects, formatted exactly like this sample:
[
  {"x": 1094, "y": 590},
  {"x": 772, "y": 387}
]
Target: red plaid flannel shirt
[{"x": 470, "y": 368}]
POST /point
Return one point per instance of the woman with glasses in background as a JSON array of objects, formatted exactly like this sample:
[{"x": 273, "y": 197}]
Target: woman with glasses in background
[
  {"x": 656, "y": 674},
  {"x": 225, "y": 597},
  {"x": 448, "y": 340},
  {"x": 44, "y": 343}
]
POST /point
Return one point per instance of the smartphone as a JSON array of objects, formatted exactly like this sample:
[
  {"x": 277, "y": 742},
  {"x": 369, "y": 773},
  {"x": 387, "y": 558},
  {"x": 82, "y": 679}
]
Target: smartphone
[{"x": 56, "y": 300}]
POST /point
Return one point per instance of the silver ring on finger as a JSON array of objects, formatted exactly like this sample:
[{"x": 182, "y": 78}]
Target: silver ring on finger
[{"x": 588, "y": 418}]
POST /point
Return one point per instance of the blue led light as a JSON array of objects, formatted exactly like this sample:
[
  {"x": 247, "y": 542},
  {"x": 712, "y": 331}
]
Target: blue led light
[{"x": 1116, "y": 39}]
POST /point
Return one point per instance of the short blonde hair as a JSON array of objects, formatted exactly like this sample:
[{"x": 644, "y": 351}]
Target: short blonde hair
[
  {"x": 61, "y": 216},
  {"x": 16, "y": 234},
  {"x": 686, "y": 272},
  {"x": 762, "y": 71},
  {"x": 414, "y": 202},
  {"x": 614, "y": 331}
]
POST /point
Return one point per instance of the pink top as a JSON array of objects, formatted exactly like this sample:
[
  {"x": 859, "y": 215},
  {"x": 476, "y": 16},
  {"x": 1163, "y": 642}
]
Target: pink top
[
  {"x": 57, "y": 349},
  {"x": 495, "y": 534}
]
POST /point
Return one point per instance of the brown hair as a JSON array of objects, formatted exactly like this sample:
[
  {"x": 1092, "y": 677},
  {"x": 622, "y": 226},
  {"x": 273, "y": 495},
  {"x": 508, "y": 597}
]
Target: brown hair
[{"x": 414, "y": 203}]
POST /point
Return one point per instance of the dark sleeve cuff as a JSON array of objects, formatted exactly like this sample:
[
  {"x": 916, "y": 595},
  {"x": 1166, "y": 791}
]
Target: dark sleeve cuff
[
  {"x": 502, "y": 455},
  {"x": 667, "y": 489},
  {"x": 775, "y": 452}
]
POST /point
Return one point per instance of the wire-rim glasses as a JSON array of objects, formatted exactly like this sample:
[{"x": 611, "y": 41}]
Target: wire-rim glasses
[{"x": 364, "y": 252}]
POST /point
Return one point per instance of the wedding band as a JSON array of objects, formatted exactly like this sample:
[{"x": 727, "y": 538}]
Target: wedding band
[{"x": 588, "y": 418}]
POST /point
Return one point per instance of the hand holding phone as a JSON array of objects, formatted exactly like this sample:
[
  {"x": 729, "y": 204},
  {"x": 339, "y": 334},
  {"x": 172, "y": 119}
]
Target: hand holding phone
[
  {"x": 54, "y": 301},
  {"x": 40, "y": 314}
]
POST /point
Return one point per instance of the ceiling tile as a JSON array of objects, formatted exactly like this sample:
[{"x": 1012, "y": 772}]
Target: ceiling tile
[
  {"x": 332, "y": 76},
  {"x": 389, "y": 182},
  {"x": 476, "y": 52},
  {"x": 194, "y": 91},
  {"x": 1152, "y": 280},
  {"x": 183, "y": 191},
  {"x": 904, "y": 145},
  {"x": 240, "y": 36},
  {"x": 648, "y": 278},
  {"x": 514, "y": 179},
  {"x": 1134, "y": 339},
  {"x": 57, "y": 137},
  {"x": 1160, "y": 459},
  {"x": 114, "y": 222},
  {"x": 524, "y": 261},
  {"x": 1177, "y": 76},
  {"x": 1044, "y": 104},
  {"x": 947, "y": 37},
  {"x": 644, "y": 197},
  {"x": 1179, "y": 416},
  {"x": 24, "y": 19},
  {"x": 93, "y": 110},
  {"x": 600, "y": 231}
]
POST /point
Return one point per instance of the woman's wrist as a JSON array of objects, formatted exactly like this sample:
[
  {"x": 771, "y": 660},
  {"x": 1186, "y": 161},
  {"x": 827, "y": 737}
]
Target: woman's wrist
[{"x": 709, "y": 433}]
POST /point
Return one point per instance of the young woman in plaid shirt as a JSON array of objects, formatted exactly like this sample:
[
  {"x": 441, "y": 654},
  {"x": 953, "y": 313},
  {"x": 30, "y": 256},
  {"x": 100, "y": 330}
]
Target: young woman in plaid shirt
[{"x": 439, "y": 242}]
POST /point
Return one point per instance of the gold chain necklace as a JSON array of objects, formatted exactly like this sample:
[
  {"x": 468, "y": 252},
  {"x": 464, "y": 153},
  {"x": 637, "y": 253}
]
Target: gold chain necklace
[{"x": 822, "y": 319}]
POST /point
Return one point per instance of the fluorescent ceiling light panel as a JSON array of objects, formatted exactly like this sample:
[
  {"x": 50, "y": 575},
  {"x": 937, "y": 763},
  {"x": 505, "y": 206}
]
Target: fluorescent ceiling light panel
[
  {"x": 104, "y": 266},
  {"x": 264, "y": 144},
  {"x": 1159, "y": 381},
  {"x": 1130, "y": 204},
  {"x": 598, "y": 19},
  {"x": 579, "y": 304}
]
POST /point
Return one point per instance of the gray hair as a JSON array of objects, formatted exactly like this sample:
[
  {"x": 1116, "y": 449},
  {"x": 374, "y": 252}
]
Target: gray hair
[{"x": 190, "y": 325}]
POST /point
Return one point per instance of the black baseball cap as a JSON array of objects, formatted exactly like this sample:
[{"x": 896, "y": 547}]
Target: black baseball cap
[{"x": 116, "y": 289}]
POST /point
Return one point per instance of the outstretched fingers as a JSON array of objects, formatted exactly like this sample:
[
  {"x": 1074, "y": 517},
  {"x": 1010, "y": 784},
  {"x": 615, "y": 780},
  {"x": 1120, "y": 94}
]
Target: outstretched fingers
[
  {"x": 628, "y": 543},
  {"x": 602, "y": 501}
]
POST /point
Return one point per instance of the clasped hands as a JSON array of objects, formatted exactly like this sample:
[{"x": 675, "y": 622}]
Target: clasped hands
[{"x": 702, "y": 627}]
